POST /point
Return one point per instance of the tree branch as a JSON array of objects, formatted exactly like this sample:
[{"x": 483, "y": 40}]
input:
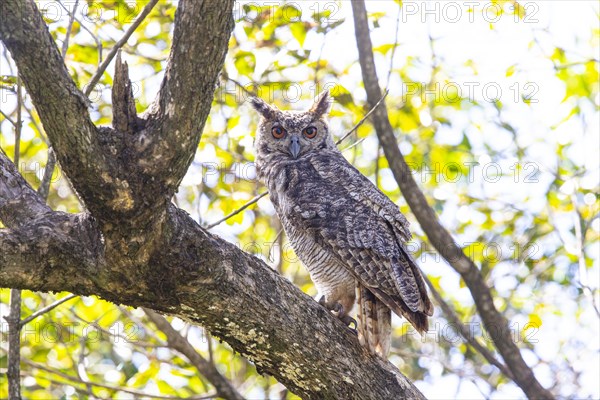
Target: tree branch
[
  {"x": 235, "y": 212},
  {"x": 44, "y": 188},
  {"x": 65, "y": 45},
  {"x": 113, "y": 52},
  {"x": 125, "y": 117},
  {"x": 14, "y": 316},
  {"x": 465, "y": 332},
  {"x": 363, "y": 119},
  {"x": 208, "y": 370},
  {"x": 77, "y": 380},
  {"x": 14, "y": 345},
  {"x": 201, "y": 278},
  {"x": 180, "y": 111},
  {"x": 47, "y": 309},
  {"x": 494, "y": 322},
  {"x": 19, "y": 203},
  {"x": 61, "y": 106},
  {"x": 204, "y": 279}
]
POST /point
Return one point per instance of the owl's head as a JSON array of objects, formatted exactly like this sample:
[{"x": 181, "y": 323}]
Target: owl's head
[{"x": 293, "y": 133}]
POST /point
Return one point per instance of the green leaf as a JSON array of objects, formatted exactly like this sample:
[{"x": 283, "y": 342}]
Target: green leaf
[
  {"x": 510, "y": 70},
  {"x": 299, "y": 32},
  {"x": 245, "y": 62}
]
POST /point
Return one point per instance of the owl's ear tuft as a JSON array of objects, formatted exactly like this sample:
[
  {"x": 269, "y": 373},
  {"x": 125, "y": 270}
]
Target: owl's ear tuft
[
  {"x": 265, "y": 110},
  {"x": 322, "y": 104}
]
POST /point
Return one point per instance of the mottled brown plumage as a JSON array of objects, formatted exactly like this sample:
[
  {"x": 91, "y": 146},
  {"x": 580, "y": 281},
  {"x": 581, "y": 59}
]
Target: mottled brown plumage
[{"x": 347, "y": 233}]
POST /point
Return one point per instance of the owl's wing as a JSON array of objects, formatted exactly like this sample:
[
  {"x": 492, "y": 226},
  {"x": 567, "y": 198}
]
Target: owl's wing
[
  {"x": 362, "y": 238},
  {"x": 332, "y": 166}
]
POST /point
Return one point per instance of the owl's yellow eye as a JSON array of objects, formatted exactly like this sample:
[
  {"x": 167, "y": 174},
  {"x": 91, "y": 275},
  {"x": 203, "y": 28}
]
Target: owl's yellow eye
[
  {"x": 278, "y": 132},
  {"x": 310, "y": 132}
]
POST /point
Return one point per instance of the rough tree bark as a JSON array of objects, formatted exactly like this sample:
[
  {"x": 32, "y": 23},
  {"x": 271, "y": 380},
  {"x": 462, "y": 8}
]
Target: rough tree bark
[
  {"x": 132, "y": 246},
  {"x": 494, "y": 322}
]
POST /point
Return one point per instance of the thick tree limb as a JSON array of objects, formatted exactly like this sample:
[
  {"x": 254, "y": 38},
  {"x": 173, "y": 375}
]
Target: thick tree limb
[
  {"x": 61, "y": 106},
  {"x": 41, "y": 241},
  {"x": 19, "y": 203},
  {"x": 120, "y": 175},
  {"x": 208, "y": 281},
  {"x": 494, "y": 322}
]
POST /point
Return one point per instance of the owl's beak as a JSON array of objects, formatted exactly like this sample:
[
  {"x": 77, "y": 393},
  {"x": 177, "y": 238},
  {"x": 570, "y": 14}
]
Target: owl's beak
[{"x": 295, "y": 146}]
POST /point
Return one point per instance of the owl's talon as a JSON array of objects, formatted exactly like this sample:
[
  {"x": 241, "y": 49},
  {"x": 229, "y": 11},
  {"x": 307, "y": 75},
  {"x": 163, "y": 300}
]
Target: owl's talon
[
  {"x": 340, "y": 312},
  {"x": 323, "y": 302},
  {"x": 348, "y": 320},
  {"x": 335, "y": 307},
  {"x": 338, "y": 308}
]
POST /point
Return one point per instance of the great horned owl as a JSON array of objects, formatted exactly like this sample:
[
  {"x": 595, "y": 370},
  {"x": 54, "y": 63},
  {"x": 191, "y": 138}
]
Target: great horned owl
[{"x": 344, "y": 230}]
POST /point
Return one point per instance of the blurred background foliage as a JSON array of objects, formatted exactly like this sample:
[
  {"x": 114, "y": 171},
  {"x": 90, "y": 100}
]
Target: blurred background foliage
[{"x": 496, "y": 111}]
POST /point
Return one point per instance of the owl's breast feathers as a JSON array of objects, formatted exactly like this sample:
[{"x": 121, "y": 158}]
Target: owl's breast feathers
[{"x": 324, "y": 196}]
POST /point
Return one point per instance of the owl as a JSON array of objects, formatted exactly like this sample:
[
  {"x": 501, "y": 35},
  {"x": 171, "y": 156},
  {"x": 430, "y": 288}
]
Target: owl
[{"x": 348, "y": 234}]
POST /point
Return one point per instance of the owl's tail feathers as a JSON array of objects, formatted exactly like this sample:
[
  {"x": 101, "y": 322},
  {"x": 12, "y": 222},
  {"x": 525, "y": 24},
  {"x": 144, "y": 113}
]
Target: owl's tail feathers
[{"x": 375, "y": 322}]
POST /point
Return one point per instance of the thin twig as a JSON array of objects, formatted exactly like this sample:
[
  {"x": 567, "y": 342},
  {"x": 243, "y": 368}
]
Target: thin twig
[
  {"x": 363, "y": 118},
  {"x": 387, "y": 85},
  {"x": 117, "y": 337},
  {"x": 46, "y": 309},
  {"x": 209, "y": 343},
  {"x": 8, "y": 59},
  {"x": 318, "y": 63},
  {"x": 65, "y": 45},
  {"x": 81, "y": 363},
  {"x": 6, "y": 117},
  {"x": 102, "y": 385},
  {"x": 239, "y": 85},
  {"x": 14, "y": 316},
  {"x": 19, "y": 122},
  {"x": 37, "y": 126},
  {"x": 239, "y": 210},
  {"x": 118, "y": 45},
  {"x": 377, "y": 164},
  {"x": 179, "y": 343},
  {"x": 464, "y": 331},
  {"x": 276, "y": 240},
  {"x": 85, "y": 28},
  {"x": 353, "y": 145},
  {"x": 580, "y": 246},
  {"x": 90, "y": 394}
]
